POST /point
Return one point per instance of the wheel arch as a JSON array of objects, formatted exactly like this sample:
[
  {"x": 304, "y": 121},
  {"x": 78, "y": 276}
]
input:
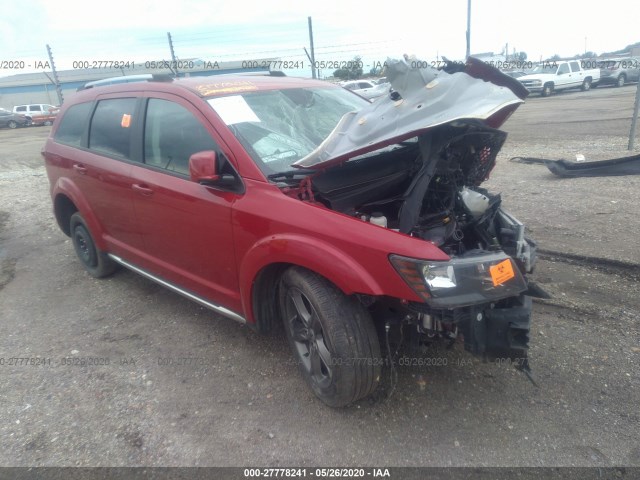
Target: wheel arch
[
  {"x": 67, "y": 199},
  {"x": 265, "y": 262}
]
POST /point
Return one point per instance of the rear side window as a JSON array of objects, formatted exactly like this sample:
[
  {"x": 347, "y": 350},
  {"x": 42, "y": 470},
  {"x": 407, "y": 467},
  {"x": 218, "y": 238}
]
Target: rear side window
[
  {"x": 575, "y": 66},
  {"x": 21, "y": 109},
  {"x": 111, "y": 125},
  {"x": 35, "y": 108},
  {"x": 171, "y": 135},
  {"x": 72, "y": 124}
]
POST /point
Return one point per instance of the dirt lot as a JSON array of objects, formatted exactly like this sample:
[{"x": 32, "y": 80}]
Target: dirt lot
[{"x": 240, "y": 401}]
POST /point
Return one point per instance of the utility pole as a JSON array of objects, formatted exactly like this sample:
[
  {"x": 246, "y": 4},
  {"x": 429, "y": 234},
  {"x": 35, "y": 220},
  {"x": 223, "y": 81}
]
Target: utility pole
[
  {"x": 468, "y": 29},
  {"x": 56, "y": 81},
  {"x": 173, "y": 55},
  {"x": 634, "y": 119},
  {"x": 312, "y": 57}
]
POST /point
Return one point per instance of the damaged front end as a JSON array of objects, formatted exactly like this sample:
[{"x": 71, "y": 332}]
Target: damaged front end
[{"x": 414, "y": 162}]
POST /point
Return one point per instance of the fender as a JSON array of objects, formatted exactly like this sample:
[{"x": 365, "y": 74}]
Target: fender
[
  {"x": 308, "y": 252},
  {"x": 64, "y": 186}
]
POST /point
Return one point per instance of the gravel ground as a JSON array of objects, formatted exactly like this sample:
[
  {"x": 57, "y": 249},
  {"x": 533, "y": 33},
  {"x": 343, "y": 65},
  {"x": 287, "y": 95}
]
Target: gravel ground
[{"x": 240, "y": 401}]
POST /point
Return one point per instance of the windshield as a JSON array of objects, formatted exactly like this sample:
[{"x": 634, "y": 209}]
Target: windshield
[
  {"x": 545, "y": 69},
  {"x": 279, "y": 127}
]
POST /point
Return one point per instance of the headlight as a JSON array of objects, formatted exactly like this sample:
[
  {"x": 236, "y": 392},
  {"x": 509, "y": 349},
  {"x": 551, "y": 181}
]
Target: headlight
[{"x": 462, "y": 281}]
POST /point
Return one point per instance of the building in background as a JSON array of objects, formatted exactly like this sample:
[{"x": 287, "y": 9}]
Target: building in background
[{"x": 28, "y": 88}]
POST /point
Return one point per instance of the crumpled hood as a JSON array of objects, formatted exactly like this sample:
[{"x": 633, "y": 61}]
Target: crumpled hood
[{"x": 429, "y": 97}]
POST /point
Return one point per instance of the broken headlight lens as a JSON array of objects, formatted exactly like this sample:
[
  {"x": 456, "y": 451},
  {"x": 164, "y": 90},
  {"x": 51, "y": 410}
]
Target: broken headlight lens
[{"x": 462, "y": 281}]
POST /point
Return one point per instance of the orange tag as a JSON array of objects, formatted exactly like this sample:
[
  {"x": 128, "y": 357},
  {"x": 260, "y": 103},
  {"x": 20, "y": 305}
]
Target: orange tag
[
  {"x": 126, "y": 120},
  {"x": 501, "y": 272}
]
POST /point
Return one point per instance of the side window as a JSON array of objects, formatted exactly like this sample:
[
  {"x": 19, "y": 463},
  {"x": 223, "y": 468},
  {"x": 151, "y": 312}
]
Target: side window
[
  {"x": 171, "y": 135},
  {"x": 564, "y": 68},
  {"x": 35, "y": 108},
  {"x": 21, "y": 109},
  {"x": 575, "y": 66},
  {"x": 72, "y": 124},
  {"x": 110, "y": 130}
]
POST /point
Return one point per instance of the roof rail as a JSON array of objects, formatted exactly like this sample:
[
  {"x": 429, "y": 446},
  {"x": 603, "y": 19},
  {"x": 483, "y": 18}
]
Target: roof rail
[{"x": 144, "y": 77}]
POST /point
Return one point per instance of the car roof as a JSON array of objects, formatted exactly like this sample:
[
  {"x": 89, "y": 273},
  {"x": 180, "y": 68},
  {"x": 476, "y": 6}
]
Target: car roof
[{"x": 211, "y": 86}]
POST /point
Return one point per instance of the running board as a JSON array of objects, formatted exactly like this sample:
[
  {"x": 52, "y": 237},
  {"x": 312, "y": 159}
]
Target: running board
[{"x": 216, "y": 308}]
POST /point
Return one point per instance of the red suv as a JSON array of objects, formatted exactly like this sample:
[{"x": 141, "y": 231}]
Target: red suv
[{"x": 272, "y": 199}]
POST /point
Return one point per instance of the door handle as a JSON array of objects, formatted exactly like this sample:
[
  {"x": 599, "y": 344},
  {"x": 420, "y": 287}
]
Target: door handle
[
  {"x": 142, "y": 189},
  {"x": 81, "y": 169}
]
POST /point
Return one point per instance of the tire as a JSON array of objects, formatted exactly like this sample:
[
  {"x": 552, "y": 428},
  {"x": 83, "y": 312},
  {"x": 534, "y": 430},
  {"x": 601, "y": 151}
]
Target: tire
[
  {"x": 621, "y": 81},
  {"x": 95, "y": 262},
  {"x": 12, "y": 124},
  {"x": 547, "y": 90},
  {"x": 332, "y": 337},
  {"x": 586, "y": 85}
]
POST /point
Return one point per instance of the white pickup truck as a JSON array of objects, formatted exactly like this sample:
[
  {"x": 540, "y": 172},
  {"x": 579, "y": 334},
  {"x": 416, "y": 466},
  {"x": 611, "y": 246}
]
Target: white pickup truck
[{"x": 561, "y": 75}]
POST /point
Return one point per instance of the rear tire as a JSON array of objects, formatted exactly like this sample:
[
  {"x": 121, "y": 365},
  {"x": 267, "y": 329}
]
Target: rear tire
[
  {"x": 97, "y": 263},
  {"x": 586, "y": 85},
  {"x": 332, "y": 337},
  {"x": 621, "y": 81},
  {"x": 12, "y": 124}
]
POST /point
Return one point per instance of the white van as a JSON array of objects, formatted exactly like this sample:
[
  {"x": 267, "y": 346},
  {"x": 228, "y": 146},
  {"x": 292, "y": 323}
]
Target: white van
[{"x": 38, "y": 113}]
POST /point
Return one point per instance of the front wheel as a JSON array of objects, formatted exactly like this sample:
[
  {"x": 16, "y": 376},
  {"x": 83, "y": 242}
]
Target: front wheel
[
  {"x": 12, "y": 124},
  {"x": 586, "y": 85},
  {"x": 621, "y": 81},
  {"x": 332, "y": 337},
  {"x": 97, "y": 263},
  {"x": 547, "y": 90}
]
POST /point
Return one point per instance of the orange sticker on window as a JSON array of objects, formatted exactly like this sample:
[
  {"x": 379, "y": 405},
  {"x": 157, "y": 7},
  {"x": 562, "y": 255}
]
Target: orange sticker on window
[
  {"x": 501, "y": 272},
  {"x": 126, "y": 120}
]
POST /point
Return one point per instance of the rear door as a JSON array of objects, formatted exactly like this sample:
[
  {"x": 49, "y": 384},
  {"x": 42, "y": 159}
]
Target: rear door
[
  {"x": 577, "y": 74},
  {"x": 186, "y": 226}
]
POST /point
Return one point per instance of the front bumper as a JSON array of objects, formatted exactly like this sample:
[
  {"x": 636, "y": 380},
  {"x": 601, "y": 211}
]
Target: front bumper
[{"x": 499, "y": 330}]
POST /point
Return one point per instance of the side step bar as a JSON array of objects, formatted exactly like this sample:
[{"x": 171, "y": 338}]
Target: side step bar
[{"x": 205, "y": 303}]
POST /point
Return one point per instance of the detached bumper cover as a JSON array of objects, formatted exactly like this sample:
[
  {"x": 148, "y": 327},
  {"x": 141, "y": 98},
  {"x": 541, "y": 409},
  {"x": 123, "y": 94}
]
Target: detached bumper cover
[{"x": 498, "y": 332}]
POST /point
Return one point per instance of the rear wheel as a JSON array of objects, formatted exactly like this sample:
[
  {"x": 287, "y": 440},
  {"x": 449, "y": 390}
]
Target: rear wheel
[
  {"x": 586, "y": 85},
  {"x": 97, "y": 263},
  {"x": 621, "y": 81},
  {"x": 12, "y": 124},
  {"x": 332, "y": 337}
]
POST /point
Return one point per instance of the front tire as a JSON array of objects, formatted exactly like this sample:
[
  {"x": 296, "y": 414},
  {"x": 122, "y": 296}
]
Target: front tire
[
  {"x": 12, "y": 124},
  {"x": 621, "y": 81},
  {"x": 547, "y": 90},
  {"x": 332, "y": 337},
  {"x": 586, "y": 85},
  {"x": 95, "y": 262}
]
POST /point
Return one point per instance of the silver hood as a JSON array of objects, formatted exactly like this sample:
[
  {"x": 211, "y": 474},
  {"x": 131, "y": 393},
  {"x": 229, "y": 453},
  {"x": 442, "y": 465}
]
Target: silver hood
[{"x": 420, "y": 100}]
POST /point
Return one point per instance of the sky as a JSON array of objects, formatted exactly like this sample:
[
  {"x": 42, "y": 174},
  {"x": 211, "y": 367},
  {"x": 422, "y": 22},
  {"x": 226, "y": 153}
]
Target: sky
[{"x": 136, "y": 30}]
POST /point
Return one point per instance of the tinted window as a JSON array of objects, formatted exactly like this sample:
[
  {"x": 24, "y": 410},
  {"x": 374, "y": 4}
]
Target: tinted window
[
  {"x": 564, "y": 68},
  {"x": 575, "y": 66},
  {"x": 72, "y": 124},
  {"x": 21, "y": 109},
  {"x": 35, "y": 108},
  {"x": 172, "y": 134},
  {"x": 111, "y": 126}
]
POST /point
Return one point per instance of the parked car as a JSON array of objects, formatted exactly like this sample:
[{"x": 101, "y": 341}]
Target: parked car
[
  {"x": 38, "y": 113},
  {"x": 275, "y": 200},
  {"x": 366, "y": 88},
  {"x": 552, "y": 76},
  {"x": 12, "y": 120},
  {"x": 618, "y": 71}
]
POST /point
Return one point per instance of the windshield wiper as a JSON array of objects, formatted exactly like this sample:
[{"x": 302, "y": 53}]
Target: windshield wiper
[{"x": 290, "y": 174}]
